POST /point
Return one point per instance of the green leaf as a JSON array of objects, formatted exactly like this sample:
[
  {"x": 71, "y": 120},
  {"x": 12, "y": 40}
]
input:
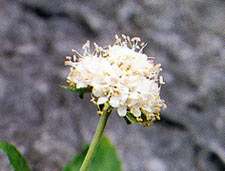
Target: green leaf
[
  {"x": 130, "y": 118},
  {"x": 16, "y": 159},
  {"x": 79, "y": 90},
  {"x": 105, "y": 159}
]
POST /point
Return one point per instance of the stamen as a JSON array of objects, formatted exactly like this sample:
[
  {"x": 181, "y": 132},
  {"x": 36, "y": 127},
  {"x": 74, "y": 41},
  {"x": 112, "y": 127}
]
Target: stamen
[{"x": 73, "y": 50}]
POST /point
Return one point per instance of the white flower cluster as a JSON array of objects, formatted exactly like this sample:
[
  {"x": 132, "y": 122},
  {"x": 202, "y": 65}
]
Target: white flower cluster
[{"x": 121, "y": 76}]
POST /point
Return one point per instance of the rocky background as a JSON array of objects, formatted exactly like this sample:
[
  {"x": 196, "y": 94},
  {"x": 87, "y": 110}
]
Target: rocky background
[{"x": 49, "y": 124}]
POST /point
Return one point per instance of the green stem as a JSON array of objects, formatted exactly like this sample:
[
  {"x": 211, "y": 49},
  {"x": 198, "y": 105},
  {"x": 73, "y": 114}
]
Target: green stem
[{"x": 95, "y": 142}]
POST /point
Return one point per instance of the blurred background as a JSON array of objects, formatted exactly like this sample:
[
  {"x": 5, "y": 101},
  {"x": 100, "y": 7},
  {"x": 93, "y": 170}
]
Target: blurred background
[{"x": 49, "y": 124}]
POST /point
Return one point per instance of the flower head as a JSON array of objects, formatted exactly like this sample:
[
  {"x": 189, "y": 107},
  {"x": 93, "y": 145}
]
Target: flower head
[{"x": 120, "y": 76}]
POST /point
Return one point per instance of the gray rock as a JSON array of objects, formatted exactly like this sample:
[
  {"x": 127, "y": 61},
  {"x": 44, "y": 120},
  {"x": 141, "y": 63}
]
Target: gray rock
[{"x": 49, "y": 124}]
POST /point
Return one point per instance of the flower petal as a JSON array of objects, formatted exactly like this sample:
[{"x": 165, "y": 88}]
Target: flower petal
[
  {"x": 81, "y": 85},
  {"x": 136, "y": 111},
  {"x": 102, "y": 100},
  {"x": 122, "y": 111},
  {"x": 114, "y": 101}
]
